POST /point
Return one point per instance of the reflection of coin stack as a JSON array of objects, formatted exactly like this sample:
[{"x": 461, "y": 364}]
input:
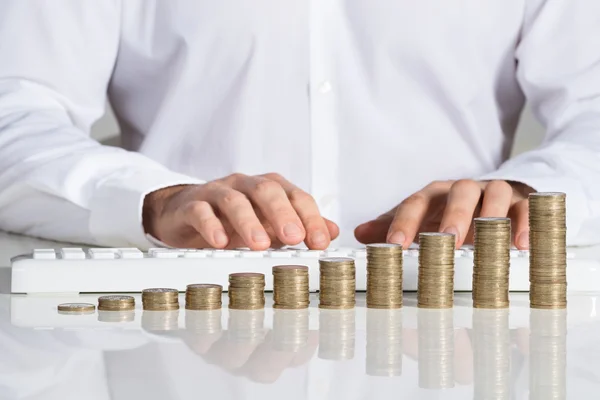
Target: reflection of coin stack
[
  {"x": 202, "y": 329},
  {"x": 336, "y": 334},
  {"x": 290, "y": 330},
  {"x": 160, "y": 299},
  {"x": 160, "y": 321},
  {"x": 384, "y": 276},
  {"x": 548, "y": 355},
  {"x": 290, "y": 287},
  {"x": 337, "y": 286},
  {"x": 491, "y": 354},
  {"x": 116, "y": 316},
  {"x": 246, "y": 326},
  {"x": 202, "y": 296},
  {"x": 435, "y": 287},
  {"x": 491, "y": 263},
  {"x": 547, "y": 250},
  {"x": 246, "y": 291},
  {"x": 384, "y": 342},
  {"x": 436, "y": 349}
]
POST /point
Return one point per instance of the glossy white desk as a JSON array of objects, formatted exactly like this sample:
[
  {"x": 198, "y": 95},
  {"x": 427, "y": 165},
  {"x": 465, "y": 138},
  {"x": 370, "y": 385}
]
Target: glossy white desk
[{"x": 311, "y": 354}]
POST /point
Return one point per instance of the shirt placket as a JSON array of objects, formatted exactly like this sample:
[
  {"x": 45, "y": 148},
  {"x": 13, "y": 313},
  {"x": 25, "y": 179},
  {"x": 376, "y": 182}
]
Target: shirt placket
[{"x": 323, "y": 82}]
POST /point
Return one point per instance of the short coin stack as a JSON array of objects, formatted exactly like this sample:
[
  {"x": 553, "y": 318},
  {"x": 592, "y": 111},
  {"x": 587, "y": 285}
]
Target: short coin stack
[
  {"x": 290, "y": 287},
  {"x": 547, "y": 250},
  {"x": 337, "y": 283},
  {"x": 116, "y": 303},
  {"x": 160, "y": 299},
  {"x": 491, "y": 263},
  {"x": 76, "y": 308},
  {"x": 384, "y": 276},
  {"x": 202, "y": 296},
  {"x": 246, "y": 291},
  {"x": 435, "y": 287}
]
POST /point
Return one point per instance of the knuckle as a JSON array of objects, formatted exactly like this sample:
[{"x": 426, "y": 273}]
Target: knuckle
[
  {"x": 465, "y": 184},
  {"x": 214, "y": 185},
  {"x": 273, "y": 176},
  {"x": 299, "y": 196},
  {"x": 498, "y": 186},
  {"x": 197, "y": 208},
  {"x": 266, "y": 186},
  {"x": 231, "y": 198},
  {"x": 415, "y": 199}
]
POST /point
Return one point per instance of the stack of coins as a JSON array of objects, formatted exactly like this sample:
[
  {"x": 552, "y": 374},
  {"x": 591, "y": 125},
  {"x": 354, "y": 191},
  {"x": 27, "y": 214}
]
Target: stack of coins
[
  {"x": 548, "y": 354},
  {"x": 247, "y": 291},
  {"x": 547, "y": 250},
  {"x": 76, "y": 308},
  {"x": 384, "y": 343},
  {"x": 201, "y": 296},
  {"x": 384, "y": 276},
  {"x": 436, "y": 348},
  {"x": 337, "y": 334},
  {"x": 491, "y": 354},
  {"x": 290, "y": 330},
  {"x": 337, "y": 289},
  {"x": 116, "y": 303},
  {"x": 491, "y": 263},
  {"x": 160, "y": 299},
  {"x": 435, "y": 288},
  {"x": 290, "y": 287}
]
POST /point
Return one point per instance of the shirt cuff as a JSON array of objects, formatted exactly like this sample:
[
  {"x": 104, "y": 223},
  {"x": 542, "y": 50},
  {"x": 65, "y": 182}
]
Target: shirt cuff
[
  {"x": 577, "y": 203},
  {"x": 117, "y": 202}
]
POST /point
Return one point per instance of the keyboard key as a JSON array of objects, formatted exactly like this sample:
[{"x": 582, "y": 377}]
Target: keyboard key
[
  {"x": 130, "y": 253},
  {"x": 72, "y": 253},
  {"x": 102, "y": 254},
  {"x": 44, "y": 254}
]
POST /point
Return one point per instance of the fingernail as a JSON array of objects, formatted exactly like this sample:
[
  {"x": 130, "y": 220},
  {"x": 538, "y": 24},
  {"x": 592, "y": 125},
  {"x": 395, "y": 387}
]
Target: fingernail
[
  {"x": 524, "y": 240},
  {"x": 318, "y": 238},
  {"x": 260, "y": 236},
  {"x": 292, "y": 230},
  {"x": 397, "y": 238},
  {"x": 453, "y": 231},
  {"x": 220, "y": 238}
]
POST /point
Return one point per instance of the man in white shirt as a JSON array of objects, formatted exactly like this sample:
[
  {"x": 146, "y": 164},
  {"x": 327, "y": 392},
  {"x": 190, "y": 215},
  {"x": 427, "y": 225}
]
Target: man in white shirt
[{"x": 360, "y": 105}]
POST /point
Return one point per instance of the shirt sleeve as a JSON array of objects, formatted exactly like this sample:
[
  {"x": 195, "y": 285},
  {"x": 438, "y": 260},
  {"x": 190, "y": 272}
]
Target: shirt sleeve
[
  {"x": 558, "y": 60},
  {"x": 55, "y": 181}
]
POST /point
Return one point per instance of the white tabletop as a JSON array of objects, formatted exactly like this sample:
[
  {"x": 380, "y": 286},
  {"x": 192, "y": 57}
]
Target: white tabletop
[{"x": 309, "y": 354}]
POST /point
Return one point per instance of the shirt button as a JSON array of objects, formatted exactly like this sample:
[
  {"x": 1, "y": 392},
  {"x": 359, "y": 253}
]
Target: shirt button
[{"x": 325, "y": 87}]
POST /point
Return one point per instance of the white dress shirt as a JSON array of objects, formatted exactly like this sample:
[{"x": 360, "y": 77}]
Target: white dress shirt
[{"x": 361, "y": 103}]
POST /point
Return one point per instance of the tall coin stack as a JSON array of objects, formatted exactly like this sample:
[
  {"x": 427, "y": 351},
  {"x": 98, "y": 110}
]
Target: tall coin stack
[
  {"x": 547, "y": 250},
  {"x": 435, "y": 288},
  {"x": 246, "y": 291},
  {"x": 160, "y": 299},
  {"x": 290, "y": 287},
  {"x": 116, "y": 303},
  {"x": 201, "y": 296},
  {"x": 384, "y": 276},
  {"x": 491, "y": 263},
  {"x": 337, "y": 289}
]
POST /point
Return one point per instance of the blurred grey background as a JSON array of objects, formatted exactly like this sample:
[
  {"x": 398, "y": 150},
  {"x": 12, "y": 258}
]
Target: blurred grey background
[{"x": 529, "y": 135}]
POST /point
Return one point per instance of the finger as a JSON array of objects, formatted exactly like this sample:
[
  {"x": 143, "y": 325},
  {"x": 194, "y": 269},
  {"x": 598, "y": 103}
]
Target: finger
[
  {"x": 238, "y": 210},
  {"x": 375, "y": 231},
  {"x": 272, "y": 200},
  {"x": 519, "y": 215},
  {"x": 334, "y": 230},
  {"x": 201, "y": 216},
  {"x": 411, "y": 213},
  {"x": 497, "y": 199},
  {"x": 317, "y": 232},
  {"x": 463, "y": 199}
]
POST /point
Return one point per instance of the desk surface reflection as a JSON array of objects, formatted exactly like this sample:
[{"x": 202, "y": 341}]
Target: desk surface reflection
[{"x": 410, "y": 353}]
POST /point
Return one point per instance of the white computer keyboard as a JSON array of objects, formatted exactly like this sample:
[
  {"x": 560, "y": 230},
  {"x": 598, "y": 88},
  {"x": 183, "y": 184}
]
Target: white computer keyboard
[{"x": 111, "y": 270}]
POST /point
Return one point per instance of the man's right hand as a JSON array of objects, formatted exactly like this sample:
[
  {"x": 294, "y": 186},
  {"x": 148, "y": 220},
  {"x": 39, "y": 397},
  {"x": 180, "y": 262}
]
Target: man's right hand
[{"x": 237, "y": 211}]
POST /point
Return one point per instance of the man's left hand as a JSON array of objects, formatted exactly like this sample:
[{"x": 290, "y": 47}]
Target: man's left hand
[{"x": 450, "y": 206}]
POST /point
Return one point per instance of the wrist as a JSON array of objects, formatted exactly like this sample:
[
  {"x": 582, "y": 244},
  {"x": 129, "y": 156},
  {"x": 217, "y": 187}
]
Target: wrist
[{"x": 155, "y": 204}]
